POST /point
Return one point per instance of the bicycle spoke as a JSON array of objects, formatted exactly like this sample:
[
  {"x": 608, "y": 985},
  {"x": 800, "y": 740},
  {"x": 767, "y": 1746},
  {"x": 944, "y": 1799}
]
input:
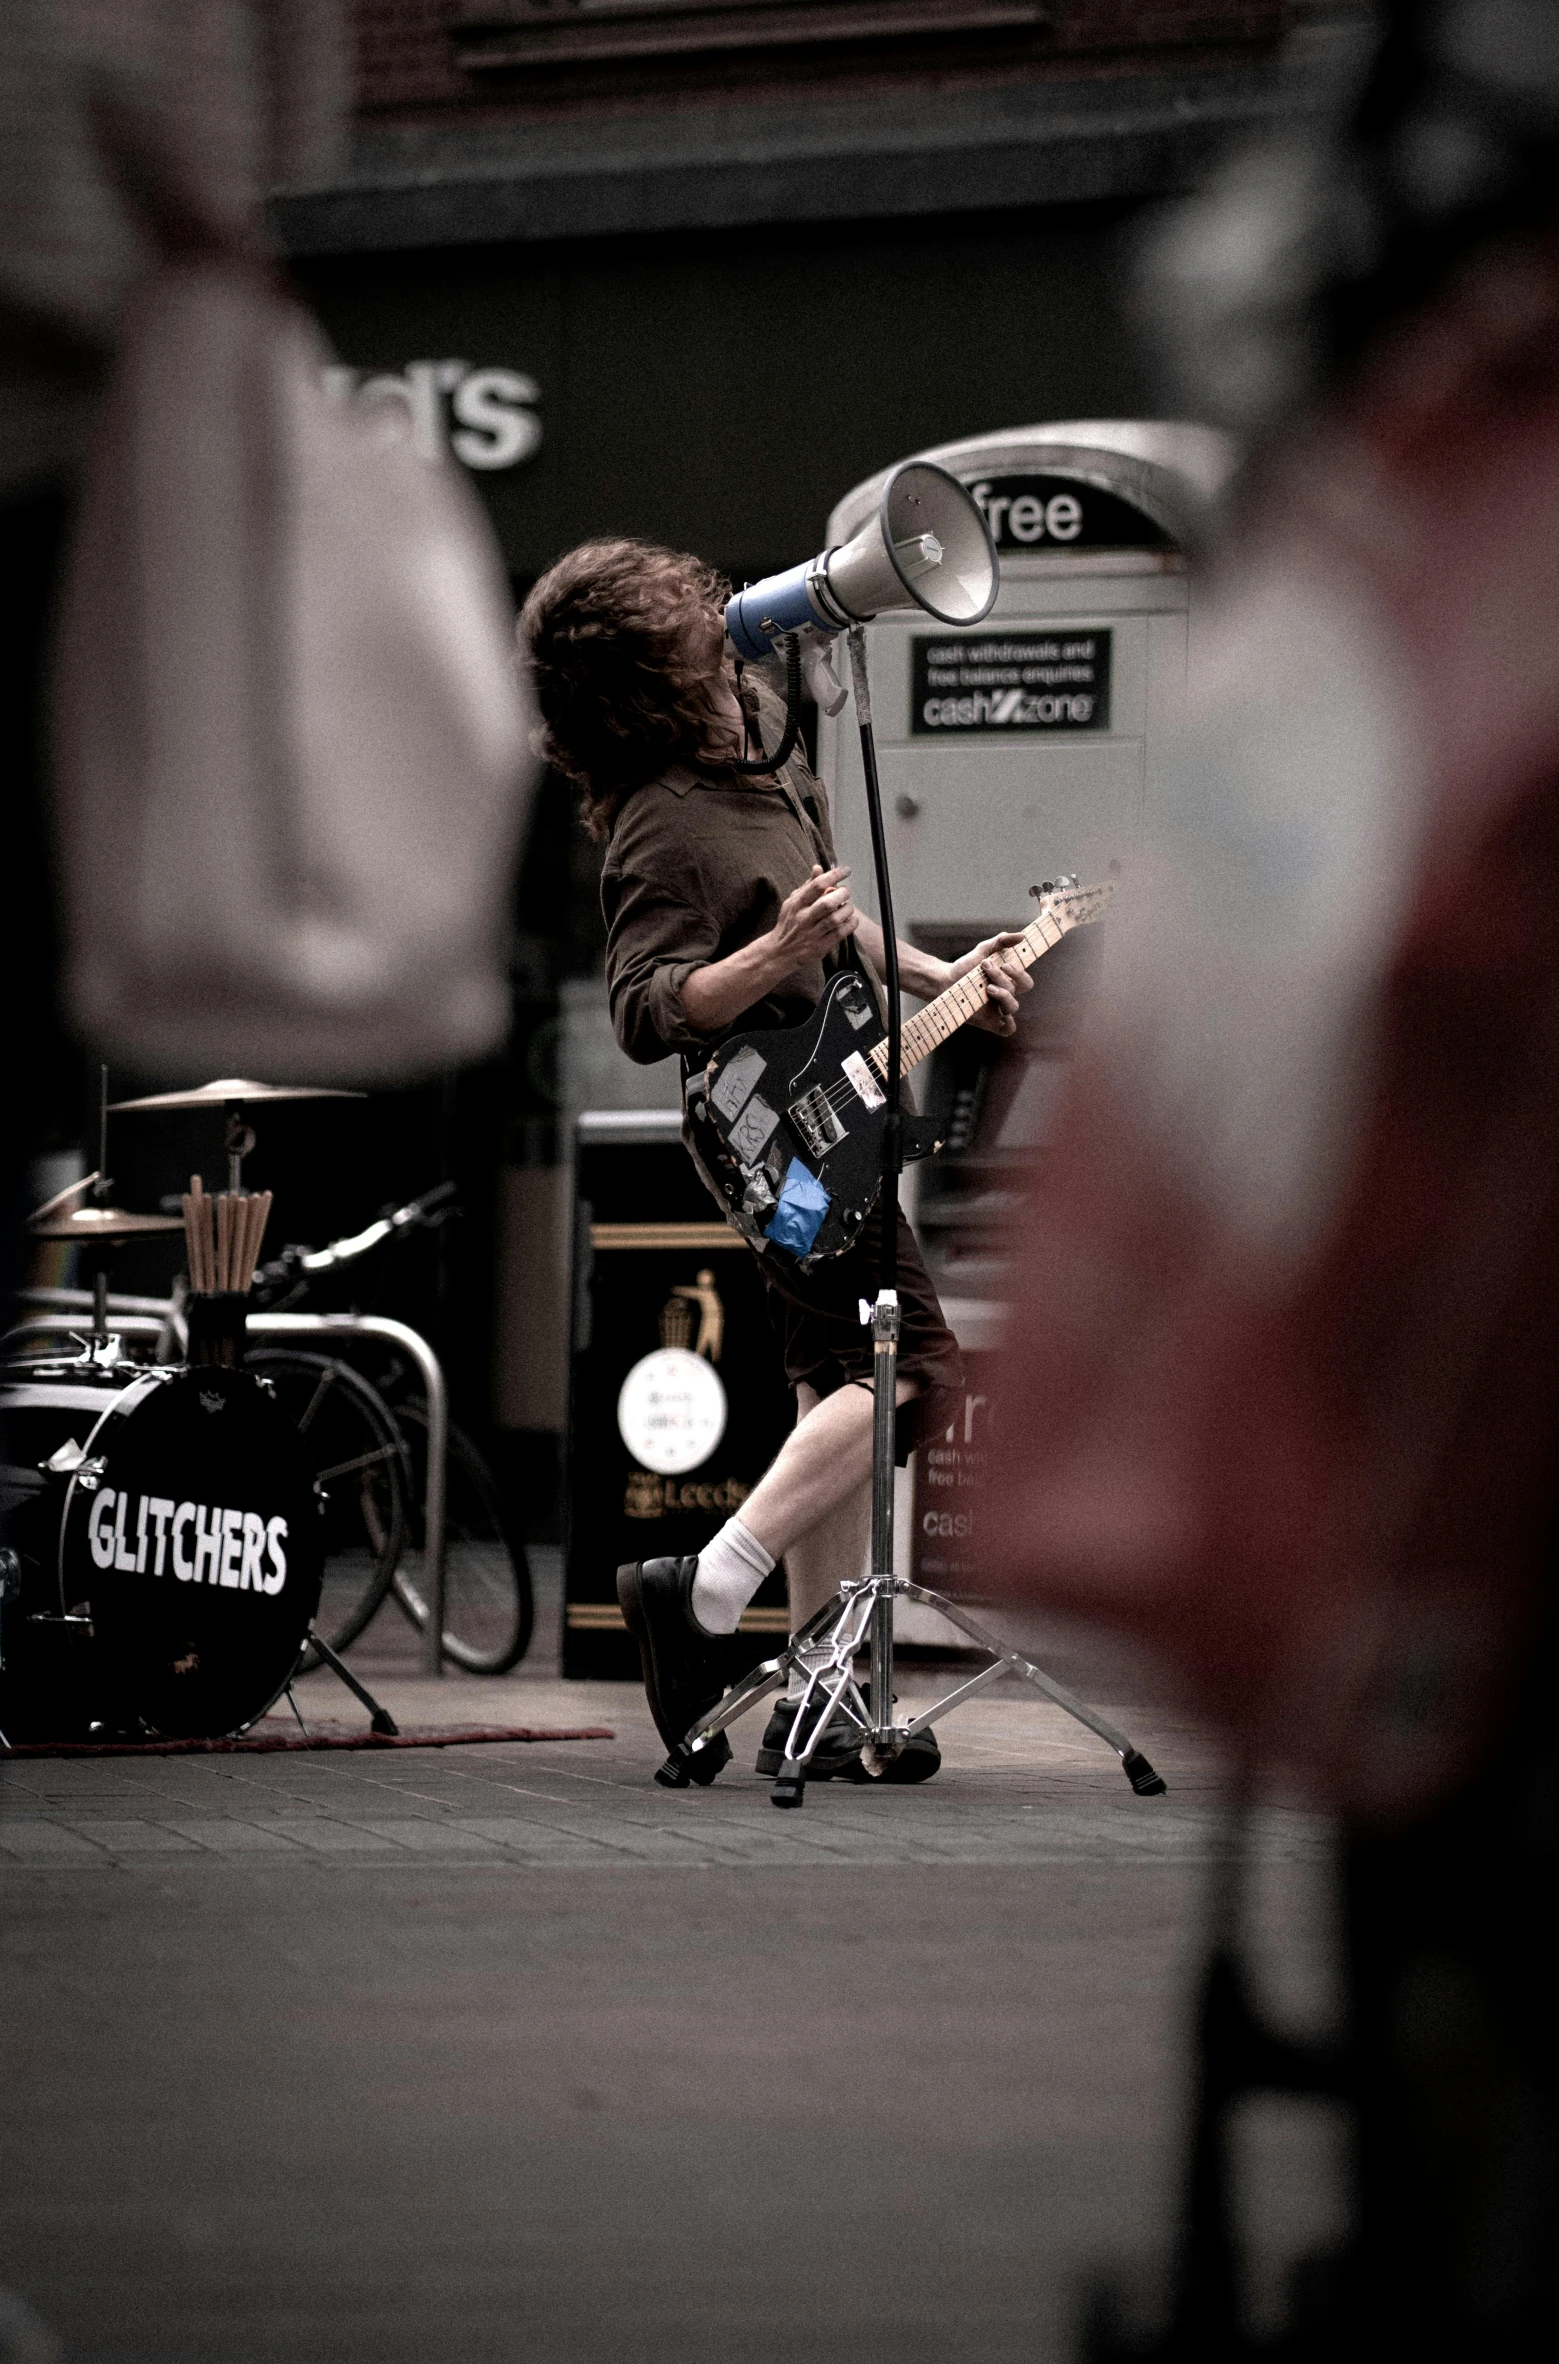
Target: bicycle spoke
[
  {"x": 359, "y": 1461},
  {"x": 327, "y": 1380},
  {"x": 349, "y": 1434}
]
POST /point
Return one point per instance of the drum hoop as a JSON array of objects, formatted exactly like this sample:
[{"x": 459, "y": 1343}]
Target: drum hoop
[{"x": 136, "y": 1394}]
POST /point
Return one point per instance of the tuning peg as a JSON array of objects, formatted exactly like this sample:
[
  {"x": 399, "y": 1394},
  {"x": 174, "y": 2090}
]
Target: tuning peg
[{"x": 1045, "y": 887}]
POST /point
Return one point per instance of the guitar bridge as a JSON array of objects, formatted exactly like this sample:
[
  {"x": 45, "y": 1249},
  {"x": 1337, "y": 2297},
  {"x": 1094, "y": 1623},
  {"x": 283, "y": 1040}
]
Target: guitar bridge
[{"x": 816, "y": 1122}]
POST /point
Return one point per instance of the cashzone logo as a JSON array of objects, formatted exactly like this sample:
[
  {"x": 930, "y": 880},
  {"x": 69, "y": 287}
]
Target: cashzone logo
[
  {"x": 485, "y": 417},
  {"x": 1013, "y": 682}
]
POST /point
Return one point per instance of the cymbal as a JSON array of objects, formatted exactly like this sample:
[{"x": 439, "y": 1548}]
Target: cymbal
[
  {"x": 233, "y": 1090},
  {"x": 89, "y": 1223},
  {"x": 62, "y": 1198}
]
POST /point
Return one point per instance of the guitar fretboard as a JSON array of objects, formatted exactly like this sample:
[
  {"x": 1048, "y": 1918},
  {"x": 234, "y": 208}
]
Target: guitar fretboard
[{"x": 968, "y": 996}]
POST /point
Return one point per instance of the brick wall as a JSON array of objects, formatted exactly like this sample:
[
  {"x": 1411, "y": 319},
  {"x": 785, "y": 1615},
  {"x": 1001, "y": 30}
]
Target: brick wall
[
  {"x": 448, "y": 61},
  {"x": 406, "y": 60}
]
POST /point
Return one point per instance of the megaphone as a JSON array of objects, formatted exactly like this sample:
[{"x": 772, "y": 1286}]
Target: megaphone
[{"x": 928, "y": 546}]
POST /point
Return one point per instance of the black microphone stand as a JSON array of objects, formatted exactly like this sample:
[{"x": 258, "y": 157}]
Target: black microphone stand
[
  {"x": 860, "y": 1616},
  {"x": 885, "y": 1313}
]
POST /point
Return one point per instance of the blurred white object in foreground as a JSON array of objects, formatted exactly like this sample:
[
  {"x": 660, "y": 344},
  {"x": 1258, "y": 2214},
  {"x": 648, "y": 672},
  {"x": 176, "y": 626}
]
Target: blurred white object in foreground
[{"x": 291, "y": 752}]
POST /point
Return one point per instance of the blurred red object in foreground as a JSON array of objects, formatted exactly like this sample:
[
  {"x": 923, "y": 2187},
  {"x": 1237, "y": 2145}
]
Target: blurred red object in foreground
[{"x": 1282, "y": 1384}]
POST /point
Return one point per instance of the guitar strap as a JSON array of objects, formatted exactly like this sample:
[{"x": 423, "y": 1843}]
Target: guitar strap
[{"x": 844, "y": 956}]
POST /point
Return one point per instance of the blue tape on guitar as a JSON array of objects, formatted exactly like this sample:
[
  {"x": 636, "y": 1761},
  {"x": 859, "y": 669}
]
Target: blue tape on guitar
[{"x": 799, "y": 1216}]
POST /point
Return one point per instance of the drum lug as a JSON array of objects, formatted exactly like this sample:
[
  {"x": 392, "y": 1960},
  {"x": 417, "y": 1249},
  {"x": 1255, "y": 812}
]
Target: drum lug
[{"x": 70, "y": 1460}]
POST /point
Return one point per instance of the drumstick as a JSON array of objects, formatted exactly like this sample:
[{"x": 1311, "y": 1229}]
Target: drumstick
[
  {"x": 262, "y": 1217},
  {"x": 196, "y": 1222},
  {"x": 224, "y": 1239},
  {"x": 253, "y": 1218}
]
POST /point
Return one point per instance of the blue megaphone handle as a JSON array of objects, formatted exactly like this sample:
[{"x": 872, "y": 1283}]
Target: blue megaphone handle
[{"x": 756, "y": 617}]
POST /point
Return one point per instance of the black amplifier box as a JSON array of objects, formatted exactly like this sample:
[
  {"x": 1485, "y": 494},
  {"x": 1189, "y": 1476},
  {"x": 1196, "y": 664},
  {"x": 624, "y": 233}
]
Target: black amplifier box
[{"x": 677, "y": 1395}]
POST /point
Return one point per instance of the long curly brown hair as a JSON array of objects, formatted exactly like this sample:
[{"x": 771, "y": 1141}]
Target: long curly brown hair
[{"x": 624, "y": 641}]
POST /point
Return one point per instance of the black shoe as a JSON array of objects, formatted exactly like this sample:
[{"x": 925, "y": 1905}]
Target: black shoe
[
  {"x": 916, "y": 1761},
  {"x": 683, "y": 1674},
  {"x": 837, "y": 1756}
]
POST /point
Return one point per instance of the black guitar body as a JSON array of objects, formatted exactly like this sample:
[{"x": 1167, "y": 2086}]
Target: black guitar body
[{"x": 807, "y": 1094}]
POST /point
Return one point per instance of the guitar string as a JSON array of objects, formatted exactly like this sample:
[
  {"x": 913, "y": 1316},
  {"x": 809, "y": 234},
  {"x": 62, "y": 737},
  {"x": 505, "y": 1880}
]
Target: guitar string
[
  {"x": 839, "y": 1095},
  {"x": 927, "y": 1022}
]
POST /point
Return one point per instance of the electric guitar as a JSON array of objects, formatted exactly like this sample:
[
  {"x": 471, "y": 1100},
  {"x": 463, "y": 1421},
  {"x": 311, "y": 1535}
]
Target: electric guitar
[{"x": 787, "y": 1124}]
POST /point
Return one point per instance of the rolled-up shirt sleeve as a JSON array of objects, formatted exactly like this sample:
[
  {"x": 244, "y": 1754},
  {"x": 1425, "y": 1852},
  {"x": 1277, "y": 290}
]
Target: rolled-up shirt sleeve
[{"x": 655, "y": 936}]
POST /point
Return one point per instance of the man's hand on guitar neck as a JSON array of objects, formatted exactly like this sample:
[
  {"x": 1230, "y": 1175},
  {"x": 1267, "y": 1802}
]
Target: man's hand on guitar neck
[
  {"x": 926, "y": 977},
  {"x": 1004, "y": 980}
]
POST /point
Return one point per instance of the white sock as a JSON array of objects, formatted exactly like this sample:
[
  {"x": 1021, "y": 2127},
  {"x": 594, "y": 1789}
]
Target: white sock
[
  {"x": 730, "y": 1569},
  {"x": 796, "y": 1688}
]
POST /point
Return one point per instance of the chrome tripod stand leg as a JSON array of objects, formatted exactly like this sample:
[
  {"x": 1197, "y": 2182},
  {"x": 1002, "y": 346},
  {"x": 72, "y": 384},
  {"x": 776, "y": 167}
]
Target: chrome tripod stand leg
[
  {"x": 827, "y": 1659},
  {"x": 1134, "y": 1764},
  {"x": 745, "y": 1694},
  {"x": 827, "y": 1640},
  {"x": 790, "y": 1781},
  {"x": 885, "y": 1393}
]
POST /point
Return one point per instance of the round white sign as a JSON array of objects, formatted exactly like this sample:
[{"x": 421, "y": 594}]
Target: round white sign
[{"x": 671, "y": 1411}]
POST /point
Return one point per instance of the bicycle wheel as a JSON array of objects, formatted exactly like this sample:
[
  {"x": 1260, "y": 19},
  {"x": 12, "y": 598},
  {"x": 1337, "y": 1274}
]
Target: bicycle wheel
[
  {"x": 361, "y": 1472},
  {"x": 488, "y": 1606}
]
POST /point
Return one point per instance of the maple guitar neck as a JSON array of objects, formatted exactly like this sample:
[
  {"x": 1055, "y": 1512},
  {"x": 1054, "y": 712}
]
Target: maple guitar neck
[{"x": 968, "y": 996}]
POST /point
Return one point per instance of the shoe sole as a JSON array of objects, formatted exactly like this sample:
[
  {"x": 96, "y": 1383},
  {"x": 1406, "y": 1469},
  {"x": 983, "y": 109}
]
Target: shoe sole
[
  {"x": 831, "y": 1769},
  {"x": 905, "y": 1771}
]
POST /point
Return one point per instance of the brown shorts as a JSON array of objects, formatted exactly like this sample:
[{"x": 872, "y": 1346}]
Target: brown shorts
[{"x": 817, "y": 1318}]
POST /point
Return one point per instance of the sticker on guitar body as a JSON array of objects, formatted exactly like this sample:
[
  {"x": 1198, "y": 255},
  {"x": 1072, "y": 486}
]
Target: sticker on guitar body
[
  {"x": 866, "y": 1084},
  {"x": 736, "y": 1080},
  {"x": 752, "y": 1128}
]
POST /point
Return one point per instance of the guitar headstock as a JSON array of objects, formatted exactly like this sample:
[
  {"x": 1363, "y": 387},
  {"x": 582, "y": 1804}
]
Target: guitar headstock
[{"x": 1071, "y": 905}]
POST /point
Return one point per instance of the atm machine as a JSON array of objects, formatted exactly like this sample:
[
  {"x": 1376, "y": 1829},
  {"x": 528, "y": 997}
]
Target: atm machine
[{"x": 1020, "y": 751}]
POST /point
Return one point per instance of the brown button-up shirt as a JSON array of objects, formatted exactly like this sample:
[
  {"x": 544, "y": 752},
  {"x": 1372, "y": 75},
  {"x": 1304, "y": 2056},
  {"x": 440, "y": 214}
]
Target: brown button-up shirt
[{"x": 698, "y": 865}]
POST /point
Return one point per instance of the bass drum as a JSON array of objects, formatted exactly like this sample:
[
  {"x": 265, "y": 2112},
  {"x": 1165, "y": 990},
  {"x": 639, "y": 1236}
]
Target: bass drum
[{"x": 192, "y": 1530}]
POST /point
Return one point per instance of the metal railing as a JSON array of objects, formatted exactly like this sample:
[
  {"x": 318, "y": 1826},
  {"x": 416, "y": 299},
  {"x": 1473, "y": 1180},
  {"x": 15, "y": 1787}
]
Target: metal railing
[{"x": 153, "y": 1317}]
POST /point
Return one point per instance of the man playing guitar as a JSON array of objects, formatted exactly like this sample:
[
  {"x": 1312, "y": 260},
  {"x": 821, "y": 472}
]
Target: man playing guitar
[{"x": 726, "y": 909}]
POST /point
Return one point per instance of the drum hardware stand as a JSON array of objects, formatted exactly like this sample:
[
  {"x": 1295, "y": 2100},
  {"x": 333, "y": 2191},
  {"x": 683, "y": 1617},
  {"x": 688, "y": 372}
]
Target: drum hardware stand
[
  {"x": 239, "y": 1145},
  {"x": 100, "y": 1344},
  {"x": 380, "y": 1719},
  {"x": 10, "y": 1590},
  {"x": 862, "y": 1616}
]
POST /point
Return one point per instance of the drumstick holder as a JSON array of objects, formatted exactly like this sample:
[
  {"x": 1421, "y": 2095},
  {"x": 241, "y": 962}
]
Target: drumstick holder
[{"x": 217, "y": 1323}]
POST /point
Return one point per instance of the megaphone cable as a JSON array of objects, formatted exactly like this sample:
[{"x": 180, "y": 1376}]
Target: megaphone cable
[{"x": 772, "y": 763}]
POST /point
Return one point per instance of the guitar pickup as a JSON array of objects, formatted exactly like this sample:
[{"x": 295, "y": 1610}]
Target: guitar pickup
[{"x": 816, "y": 1122}]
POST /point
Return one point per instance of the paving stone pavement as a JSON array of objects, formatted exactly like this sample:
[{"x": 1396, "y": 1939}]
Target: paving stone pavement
[
  {"x": 1015, "y": 1789},
  {"x": 355, "y": 2056}
]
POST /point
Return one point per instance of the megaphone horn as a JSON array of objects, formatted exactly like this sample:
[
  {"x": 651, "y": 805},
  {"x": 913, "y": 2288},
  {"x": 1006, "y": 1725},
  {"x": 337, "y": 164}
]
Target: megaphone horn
[{"x": 927, "y": 546}]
